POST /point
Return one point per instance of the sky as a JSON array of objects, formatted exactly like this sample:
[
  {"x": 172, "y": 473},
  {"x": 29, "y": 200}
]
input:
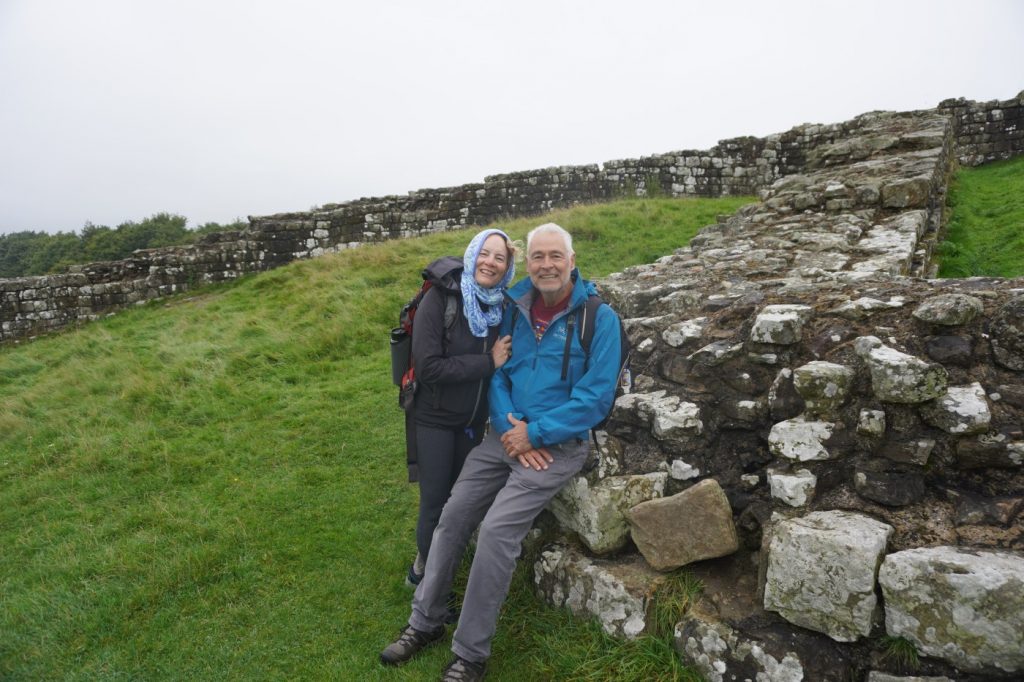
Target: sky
[{"x": 114, "y": 110}]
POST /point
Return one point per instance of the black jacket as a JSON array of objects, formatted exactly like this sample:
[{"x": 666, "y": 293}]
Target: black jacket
[{"x": 453, "y": 367}]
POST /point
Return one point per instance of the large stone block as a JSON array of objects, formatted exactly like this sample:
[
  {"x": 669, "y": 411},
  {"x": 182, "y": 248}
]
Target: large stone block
[
  {"x": 800, "y": 440},
  {"x": 669, "y": 417},
  {"x": 821, "y": 572},
  {"x": 597, "y": 511},
  {"x": 822, "y": 385},
  {"x": 949, "y": 309},
  {"x": 963, "y": 410},
  {"x": 1006, "y": 330},
  {"x": 900, "y": 378},
  {"x": 964, "y": 606},
  {"x": 690, "y": 526},
  {"x": 780, "y": 324},
  {"x": 618, "y": 595}
]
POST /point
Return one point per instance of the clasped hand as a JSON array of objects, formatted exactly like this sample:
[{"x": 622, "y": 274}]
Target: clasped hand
[{"x": 516, "y": 442}]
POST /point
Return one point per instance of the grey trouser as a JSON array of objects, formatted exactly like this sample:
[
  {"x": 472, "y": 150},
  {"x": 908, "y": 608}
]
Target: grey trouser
[{"x": 503, "y": 497}]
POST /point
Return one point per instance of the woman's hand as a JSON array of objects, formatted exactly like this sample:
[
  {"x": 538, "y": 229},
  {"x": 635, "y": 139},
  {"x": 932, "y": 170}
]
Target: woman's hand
[{"x": 502, "y": 351}]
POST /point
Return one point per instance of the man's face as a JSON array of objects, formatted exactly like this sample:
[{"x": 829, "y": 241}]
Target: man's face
[{"x": 550, "y": 265}]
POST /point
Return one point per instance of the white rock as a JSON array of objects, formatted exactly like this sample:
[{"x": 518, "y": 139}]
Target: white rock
[
  {"x": 795, "y": 489},
  {"x": 962, "y": 605},
  {"x": 800, "y": 440},
  {"x": 821, "y": 572}
]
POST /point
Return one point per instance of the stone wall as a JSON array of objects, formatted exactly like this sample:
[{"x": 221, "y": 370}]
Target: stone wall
[
  {"x": 987, "y": 131},
  {"x": 740, "y": 166},
  {"x": 840, "y": 439}
]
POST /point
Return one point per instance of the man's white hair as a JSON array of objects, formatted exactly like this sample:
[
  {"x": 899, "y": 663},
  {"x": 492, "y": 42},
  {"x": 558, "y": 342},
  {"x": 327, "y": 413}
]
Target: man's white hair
[{"x": 554, "y": 229}]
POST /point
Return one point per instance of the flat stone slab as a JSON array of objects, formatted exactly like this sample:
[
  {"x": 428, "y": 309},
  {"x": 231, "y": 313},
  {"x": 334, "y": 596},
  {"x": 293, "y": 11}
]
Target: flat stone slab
[
  {"x": 821, "y": 572},
  {"x": 823, "y": 386},
  {"x": 690, "y": 526},
  {"x": 964, "y": 606},
  {"x": 617, "y": 595},
  {"x": 962, "y": 411}
]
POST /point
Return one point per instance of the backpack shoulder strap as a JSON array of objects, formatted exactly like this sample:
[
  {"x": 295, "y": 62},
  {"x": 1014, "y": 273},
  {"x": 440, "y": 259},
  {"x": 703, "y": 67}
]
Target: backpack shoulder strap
[
  {"x": 451, "y": 309},
  {"x": 588, "y": 322}
]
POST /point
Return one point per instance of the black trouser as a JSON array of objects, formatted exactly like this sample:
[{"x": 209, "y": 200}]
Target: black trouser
[{"x": 441, "y": 453}]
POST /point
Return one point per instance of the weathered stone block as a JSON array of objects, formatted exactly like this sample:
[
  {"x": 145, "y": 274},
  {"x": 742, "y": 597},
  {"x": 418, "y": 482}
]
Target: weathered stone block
[
  {"x": 690, "y": 526},
  {"x": 800, "y": 439},
  {"x": 597, "y": 512},
  {"x": 780, "y": 324},
  {"x": 618, "y": 595},
  {"x": 949, "y": 309},
  {"x": 823, "y": 386},
  {"x": 668, "y": 416},
  {"x": 795, "y": 488},
  {"x": 821, "y": 572},
  {"x": 1006, "y": 329},
  {"x": 962, "y": 411},
  {"x": 900, "y": 378},
  {"x": 871, "y": 423},
  {"x": 964, "y": 606}
]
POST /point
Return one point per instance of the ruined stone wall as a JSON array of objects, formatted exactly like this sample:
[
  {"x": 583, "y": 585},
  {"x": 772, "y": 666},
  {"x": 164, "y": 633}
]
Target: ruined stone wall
[
  {"x": 740, "y": 166},
  {"x": 831, "y": 441},
  {"x": 987, "y": 131}
]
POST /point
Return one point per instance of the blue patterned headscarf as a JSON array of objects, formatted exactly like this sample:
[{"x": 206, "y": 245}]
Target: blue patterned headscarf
[{"x": 473, "y": 294}]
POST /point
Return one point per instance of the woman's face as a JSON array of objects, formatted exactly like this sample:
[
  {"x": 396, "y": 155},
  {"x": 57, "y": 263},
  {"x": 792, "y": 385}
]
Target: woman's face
[{"x": 492, "y": 263}]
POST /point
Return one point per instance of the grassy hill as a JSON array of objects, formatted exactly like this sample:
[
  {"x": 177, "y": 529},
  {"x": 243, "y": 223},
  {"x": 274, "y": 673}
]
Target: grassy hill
[
  {"x": 213, "y": 486},
  {"x": 985, "y": 233}
]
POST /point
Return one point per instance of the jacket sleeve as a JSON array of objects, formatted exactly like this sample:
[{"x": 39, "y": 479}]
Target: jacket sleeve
[
  {"x": 500, "y": 396},
  {"x": 433, "y": 365},
  {"x": 592, "y": 395}
]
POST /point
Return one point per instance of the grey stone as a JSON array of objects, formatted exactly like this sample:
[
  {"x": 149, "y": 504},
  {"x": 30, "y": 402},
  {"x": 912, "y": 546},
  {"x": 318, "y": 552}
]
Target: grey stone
[
  {"x": 871, "y": 423},
  {"x": 875, "y": 676},
  {"x": 667, "y": 415},
  {"x": 989, "y": 451},
  {"x": 693, "y": 525},
  {"x": 889, "y": 484},
  {"x": 681, "y": 333},
  {"x": 916, "y": 451},
  {"x": 962, "y": 411},
  {"x": 949, "y": 309},
  {"x": 823, "y": 386},
  {"x": 795, "y": 488},
  {"x": 900, "y": 378},
  {"x": 800, "y": 440},
  {"x": 617, "y": 595},
  {"x": 950, "y": 350},
  {"x": 780, "y": 324},
  {"x": 963, "y": 606},
  {"x": 597, "y": 512},
  {"x": 1007, "y": 333},
  {"x": 821, "y": 572}
]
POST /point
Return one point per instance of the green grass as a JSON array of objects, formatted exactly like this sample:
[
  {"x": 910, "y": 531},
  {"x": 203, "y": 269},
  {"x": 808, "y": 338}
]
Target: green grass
[
  {"x": 900, "y": 651},
  {"x": 213, "y": 486},
  {"x": 985, "y": 234}
]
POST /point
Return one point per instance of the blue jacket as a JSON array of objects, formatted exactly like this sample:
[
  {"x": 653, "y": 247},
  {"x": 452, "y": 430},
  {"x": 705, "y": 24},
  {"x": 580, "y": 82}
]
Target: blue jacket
[{"x": 530, "y": 386}]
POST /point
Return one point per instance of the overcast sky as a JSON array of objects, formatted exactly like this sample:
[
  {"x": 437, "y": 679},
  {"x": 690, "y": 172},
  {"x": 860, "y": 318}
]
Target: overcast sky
[{"x": 113, "y": 110}]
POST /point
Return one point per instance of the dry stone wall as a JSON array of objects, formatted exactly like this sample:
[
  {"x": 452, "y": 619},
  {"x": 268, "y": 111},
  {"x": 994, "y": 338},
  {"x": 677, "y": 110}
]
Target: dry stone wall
[
  {"x": 865, "y": 422},
  {"x": 740, "y": 166}
]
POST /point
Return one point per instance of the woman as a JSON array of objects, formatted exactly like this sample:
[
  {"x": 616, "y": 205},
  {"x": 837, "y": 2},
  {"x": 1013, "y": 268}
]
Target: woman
[{"x": 453, "y": 367}]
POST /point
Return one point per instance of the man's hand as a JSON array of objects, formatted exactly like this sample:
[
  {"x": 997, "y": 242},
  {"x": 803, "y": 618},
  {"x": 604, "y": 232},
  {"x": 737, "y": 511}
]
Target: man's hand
[
  {"x": 536, "y": 458},
  {"x": 516, "y": 440},
  {"x": 517, "y": 444}
]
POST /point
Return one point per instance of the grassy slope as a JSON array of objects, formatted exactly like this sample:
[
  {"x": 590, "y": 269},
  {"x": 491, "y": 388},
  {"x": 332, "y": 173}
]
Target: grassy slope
[
  {"x": 213, "y": 486},
  {"x": 985, "y": 234}
]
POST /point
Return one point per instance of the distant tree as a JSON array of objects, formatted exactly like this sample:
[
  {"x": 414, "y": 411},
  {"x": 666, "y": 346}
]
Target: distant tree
[{"x": 38, "y": 253}]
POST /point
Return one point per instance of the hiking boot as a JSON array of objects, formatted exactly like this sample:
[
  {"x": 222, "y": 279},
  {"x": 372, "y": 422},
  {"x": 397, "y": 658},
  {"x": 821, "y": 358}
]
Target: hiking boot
[
  {"x": 461, "y": 670},
  {"x": 409, "y": 643},
  {"x": 416, "y": 570}
]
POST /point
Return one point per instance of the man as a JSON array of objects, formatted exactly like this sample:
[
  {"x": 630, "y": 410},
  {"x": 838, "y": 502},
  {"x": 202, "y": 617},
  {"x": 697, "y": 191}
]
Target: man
[{"x": 541, "y": 409}]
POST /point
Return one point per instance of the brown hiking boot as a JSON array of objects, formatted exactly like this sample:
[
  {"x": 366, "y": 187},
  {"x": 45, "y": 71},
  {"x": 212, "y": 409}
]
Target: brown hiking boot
[{"x": 409, "y": 643}]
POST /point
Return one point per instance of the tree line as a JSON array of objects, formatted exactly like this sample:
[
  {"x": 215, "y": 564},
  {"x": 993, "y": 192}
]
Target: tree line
[{"x": 29, "y": 253}]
